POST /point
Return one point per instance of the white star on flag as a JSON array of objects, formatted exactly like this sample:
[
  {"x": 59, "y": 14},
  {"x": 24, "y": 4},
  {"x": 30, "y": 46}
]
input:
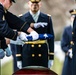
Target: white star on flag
[{"x": 45, "y": 35}]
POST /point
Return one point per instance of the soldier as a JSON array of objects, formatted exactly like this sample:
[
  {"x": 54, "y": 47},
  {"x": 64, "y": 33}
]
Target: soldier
[
  {"x": 66, "y": 45},
  {"x": 8, "y": 21},
  {"x": 74, "y": 47},
  {"x": 35, "y": 53}
]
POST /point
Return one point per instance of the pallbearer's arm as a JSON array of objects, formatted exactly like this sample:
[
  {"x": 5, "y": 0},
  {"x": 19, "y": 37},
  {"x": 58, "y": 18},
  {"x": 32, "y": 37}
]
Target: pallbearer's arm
[{"x": 51, "y": 41}]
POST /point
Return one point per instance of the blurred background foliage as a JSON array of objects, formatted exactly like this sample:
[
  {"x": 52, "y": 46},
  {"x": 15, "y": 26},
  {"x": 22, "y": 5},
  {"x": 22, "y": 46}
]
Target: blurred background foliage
[{"x": 58, "y": 9}]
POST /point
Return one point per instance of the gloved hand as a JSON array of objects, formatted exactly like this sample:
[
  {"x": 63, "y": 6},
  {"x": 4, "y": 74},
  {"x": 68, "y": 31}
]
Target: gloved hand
[
  {"x": 2, "y": 54},
  {"x": 22, "y": 36},
  {"x": 40, "y": 24},
  {"x": 17, "y": 42},
  {"x": 19, "y": 64},
  {"x": 70, "y": 53},
  {"x": 8, "y": 52},
  {"x": 34, "y": 35},
  {"x": 50, "y": 63}
]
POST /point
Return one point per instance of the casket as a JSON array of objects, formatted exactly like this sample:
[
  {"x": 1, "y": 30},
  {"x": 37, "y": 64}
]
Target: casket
[{"x": 34, "y": 70}]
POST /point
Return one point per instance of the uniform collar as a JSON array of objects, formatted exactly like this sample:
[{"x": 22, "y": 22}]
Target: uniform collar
[{"x": 37, "y": 14}]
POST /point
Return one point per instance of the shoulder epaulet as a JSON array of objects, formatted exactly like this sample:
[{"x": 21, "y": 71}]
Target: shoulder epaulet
[
  {"x": 20, "y": 15},
  {"x": 48, "y": 14}
]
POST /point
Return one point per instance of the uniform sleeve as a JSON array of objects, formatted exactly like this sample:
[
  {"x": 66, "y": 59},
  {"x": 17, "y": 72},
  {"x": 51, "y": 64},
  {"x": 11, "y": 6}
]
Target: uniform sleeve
[
  {"x": 3, "y": 44},
  {"x": 16, "y": 23},
  {"x": 51, "y": 41},
  {"x": 5, "y": 31},
  {"x": 65, "y": 43}
]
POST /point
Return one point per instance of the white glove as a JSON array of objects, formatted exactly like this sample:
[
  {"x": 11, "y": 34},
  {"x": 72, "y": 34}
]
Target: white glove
[
  {"x": 50, "y": 63},
  {"x": 2, "y": 54},
  {"x": 42, "y": 24},
  {"x": 19, "y": 64},
  {"x": 22, "y": 36},
  {"x": 70, "y": 53},
  {"x": 8, "y": 52},
  {"x": 34, "y": 35},
  {"x": 17, "y": 42}
]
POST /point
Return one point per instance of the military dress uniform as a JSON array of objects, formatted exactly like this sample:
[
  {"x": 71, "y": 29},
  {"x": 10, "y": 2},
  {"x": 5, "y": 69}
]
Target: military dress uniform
[
  {"x": 19, "y": 25},
  {"x": 69, "y": 67},
  {"x": 74, "y": 47},
  {"x": 3, "y": 44},
  {"x": 8, "y": 22},
  {"x": 35, "y": 53},
  {"x": 16, "y": 50},
  {"x": 5, "y": 31},
  {"x": 66, "y": 44}
]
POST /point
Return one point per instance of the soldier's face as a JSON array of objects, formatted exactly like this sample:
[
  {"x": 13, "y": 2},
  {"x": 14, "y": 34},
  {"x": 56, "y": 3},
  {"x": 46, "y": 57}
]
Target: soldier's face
[
  {"x": 72, "y": 17},
  {"x": 7, "y": 4},
  {"x": 34, "y": 7}
]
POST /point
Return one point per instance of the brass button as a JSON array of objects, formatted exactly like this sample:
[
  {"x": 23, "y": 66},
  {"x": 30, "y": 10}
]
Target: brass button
[
  {"x": 72, "y": 43},
  {"x": 39, "y": 55},
  {"x": 33, "y": 55},
  {"x": 72, "y": 33},
  {"x": 32, "y": 45},
  {"x": 39, "y": 45}
]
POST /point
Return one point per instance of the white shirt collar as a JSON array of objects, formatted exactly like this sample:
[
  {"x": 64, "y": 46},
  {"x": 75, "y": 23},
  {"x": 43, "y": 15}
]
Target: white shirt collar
[{"x": 37, "y": 14}]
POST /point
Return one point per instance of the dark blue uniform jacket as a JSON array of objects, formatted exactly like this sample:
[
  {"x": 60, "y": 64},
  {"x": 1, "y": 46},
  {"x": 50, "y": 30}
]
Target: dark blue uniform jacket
[
  {"x": 66, "y": 45},
  {"x": 8, "y": 22},
  {"x": 28, "y": 50},
  {"x": 74, "y": 48}
]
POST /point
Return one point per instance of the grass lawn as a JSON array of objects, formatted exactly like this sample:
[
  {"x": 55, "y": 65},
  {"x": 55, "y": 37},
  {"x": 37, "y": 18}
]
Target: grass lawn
[
  {"x": 57, "y": 66},
  {"x": 8, "y": 70}
]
